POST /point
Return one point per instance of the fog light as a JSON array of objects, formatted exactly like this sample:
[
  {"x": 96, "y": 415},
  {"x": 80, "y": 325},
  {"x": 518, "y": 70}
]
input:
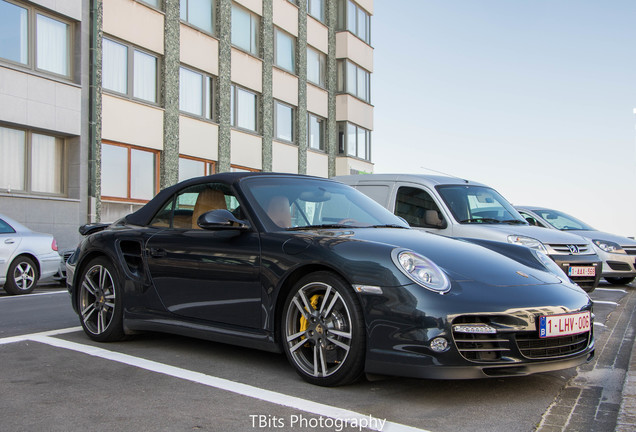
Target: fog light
[{"x": 439, "y": 344}]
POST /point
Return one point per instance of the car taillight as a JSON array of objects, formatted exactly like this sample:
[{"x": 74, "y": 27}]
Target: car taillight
[{"x": 54, "y": 245}]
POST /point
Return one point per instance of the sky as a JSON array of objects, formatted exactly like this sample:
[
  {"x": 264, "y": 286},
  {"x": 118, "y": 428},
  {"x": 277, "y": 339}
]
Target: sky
[{"x": 534, "y": 98}]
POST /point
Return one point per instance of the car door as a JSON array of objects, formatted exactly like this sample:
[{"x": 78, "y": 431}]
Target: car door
[
  {"x": 9, "y": 242},
  {"x": 418, "y": 207},
  {"x": 211, "y": 275}
]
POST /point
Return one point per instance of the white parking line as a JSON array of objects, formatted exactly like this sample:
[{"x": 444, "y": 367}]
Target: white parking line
[
  {"x": 32, "y": 295},
  {"x": 599, "y": 324},
  {"x": 605, "y": 302},
  {"x": 20, "y": 338},
  {"x": 612, "y": 289},
  {"x": 350, "y": 417}
]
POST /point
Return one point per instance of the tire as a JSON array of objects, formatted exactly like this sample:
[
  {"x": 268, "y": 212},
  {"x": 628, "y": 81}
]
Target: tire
[
  {"x": 322, "y": 330},
  {"x": 100, "y": 302},
  {"x": 22, "y": 276},
  {"x": 619, "y": 280}
]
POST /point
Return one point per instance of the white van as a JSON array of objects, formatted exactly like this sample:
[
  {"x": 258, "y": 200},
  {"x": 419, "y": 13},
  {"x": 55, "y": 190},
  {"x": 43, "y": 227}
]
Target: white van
[{"x": 465, "y": 209}]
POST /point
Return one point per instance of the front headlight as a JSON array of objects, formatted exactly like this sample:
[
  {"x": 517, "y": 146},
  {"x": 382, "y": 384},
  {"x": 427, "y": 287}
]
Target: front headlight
[
  {"x": 550, "y": 265},
  {"x": 421, "y": 270},
  {"x": 527, "y": 241},
  {"x": 609, "y": 246}
]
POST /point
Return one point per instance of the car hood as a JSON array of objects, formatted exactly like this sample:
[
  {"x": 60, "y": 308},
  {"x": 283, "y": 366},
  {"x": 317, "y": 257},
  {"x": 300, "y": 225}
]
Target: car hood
[
  {"x": 600, "y": 235},
  {"x": 461, "y": 260},
  {"x": 500, "y": 232}
]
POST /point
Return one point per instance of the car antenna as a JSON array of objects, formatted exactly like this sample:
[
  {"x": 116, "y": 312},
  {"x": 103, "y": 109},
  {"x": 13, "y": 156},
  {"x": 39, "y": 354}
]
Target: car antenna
[{"x": 446, "y": 174}]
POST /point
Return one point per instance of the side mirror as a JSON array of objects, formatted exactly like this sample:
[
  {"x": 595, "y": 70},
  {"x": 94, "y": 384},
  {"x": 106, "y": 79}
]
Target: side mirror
[
  {"x": 220, "y": 219},
  {"x": 433, "y": 219}
]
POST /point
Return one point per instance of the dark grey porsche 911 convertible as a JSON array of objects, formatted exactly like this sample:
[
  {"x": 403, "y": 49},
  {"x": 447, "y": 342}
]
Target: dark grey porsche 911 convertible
[{"x": 318, "y": 270}]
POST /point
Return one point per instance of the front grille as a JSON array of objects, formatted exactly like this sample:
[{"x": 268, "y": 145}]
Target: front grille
[
  {"x": 66, "y": 255},
  {"x": 532, "y": 346},
  {"x": 631, "y": 250},
  {"x": 574, "y": 249},
  {"x": 584, "y": 281},
  {"x": 619, "y": 266},
  {"x": 481, "y": 347},
  {"x": 508, "y": 342}
]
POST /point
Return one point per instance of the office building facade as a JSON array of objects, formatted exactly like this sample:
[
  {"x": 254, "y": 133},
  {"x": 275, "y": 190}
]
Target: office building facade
[{"x": 165, "y": 90}]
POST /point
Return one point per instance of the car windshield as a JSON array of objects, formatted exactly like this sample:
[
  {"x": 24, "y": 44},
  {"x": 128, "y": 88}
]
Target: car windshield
[
  {"x": 562, "y": 221},
  {"x": 479, "y": 205},
  {"x": 305, "y": 203}
]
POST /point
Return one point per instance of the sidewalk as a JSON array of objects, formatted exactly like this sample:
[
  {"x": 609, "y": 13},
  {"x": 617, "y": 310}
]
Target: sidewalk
[{"x": 626, "y": 421}]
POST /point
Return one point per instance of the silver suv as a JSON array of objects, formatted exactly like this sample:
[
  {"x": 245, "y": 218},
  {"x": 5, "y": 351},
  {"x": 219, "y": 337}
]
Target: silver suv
[{"x": 465, "y": 209}]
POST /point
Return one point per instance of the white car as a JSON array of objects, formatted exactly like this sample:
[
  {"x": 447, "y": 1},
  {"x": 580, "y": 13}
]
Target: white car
[
  {"x": 25, "y": 256},
  {"x": 618, "y": 253}
]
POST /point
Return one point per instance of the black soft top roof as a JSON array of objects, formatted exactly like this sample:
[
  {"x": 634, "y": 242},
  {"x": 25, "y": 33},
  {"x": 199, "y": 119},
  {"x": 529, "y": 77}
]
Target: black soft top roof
[{"x": 144, "y": 215}]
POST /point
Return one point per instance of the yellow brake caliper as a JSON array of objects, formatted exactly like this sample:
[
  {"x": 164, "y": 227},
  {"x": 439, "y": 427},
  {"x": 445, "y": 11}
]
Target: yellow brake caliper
[{"x": 314, "y": 304}]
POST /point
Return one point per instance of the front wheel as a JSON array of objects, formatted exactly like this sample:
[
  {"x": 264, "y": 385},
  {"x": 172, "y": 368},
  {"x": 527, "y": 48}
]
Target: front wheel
[
  {"x": 322, "y": 330},
  {"x": 22, "y": 276},
  {"x": 100, "y": 301},
  {"x": 619, "y": 280}
]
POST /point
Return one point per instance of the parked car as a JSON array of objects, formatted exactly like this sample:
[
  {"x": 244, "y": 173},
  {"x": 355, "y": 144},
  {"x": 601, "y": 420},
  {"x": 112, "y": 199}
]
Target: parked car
[
  {"x": 460, "y": 208},
  {"x": 25, "y": 256},
  {"x": 315, "y": 269},
  {"x": 617, "y": 253}
]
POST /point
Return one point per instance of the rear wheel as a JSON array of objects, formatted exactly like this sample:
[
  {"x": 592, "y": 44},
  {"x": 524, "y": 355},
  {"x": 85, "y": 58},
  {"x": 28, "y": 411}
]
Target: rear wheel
[
  {"x": 619, "y": 280},
  {"x": 22, "y": 276},
  {"x": 100, "y": 301},
  {"x": 322, "y": 330}
]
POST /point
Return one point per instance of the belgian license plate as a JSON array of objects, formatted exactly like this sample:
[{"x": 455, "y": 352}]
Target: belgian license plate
[
  {"x": 563, "y": 325},
  {"x": 581, "y": 271}
]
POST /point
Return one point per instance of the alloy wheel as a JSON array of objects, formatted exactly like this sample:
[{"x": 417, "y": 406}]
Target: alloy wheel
[
  {"x": 97, "y": 299},
  {"x": 318, "y": 330}
]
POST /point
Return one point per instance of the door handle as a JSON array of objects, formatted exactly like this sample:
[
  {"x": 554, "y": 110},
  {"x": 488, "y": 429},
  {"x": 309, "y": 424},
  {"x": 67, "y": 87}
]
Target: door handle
[
  {"x": 157, "y": 252},
  {"x": 9, "y": 241}
]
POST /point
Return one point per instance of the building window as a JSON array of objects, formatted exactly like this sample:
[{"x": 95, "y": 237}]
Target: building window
[
  {"x": 316, "y": 8},
  {"x": 31, "y": 162},
  {"x": 354, "y": 80},
  {"x": 315, "y": 132},
  {"x": 199, "y": 13},
  {"x": 33, "y": 39},
  {"x": 238, "y": 168},
  {"x": 129, "y": 71},
  {"x": 316, "y": 67},
  {"x": 190, "y": 167},
  {"x": 283, "y": 122},
  {"x": 284, "y": 50},
  {"x": 353, "y": 18},
  {"x": 154, "y": 3},
  {"x": 244, "y": 29},
  {"x": 243, "y": 109},
  {"x": 354, "y": 141},
  {"x": 129, "y": 173},
  {"x": 195, "y": 93}
]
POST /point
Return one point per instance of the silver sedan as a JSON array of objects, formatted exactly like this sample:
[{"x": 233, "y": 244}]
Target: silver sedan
[
  {"x": 618, "y": 253},
  {"x": 25, "y": 256}
]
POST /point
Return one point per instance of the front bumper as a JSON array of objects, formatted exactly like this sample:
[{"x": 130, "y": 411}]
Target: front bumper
[
  {"x": 402, "y": 325},
  {"x": 618, "y": 265},
  {"x": 588, "y": 283}
]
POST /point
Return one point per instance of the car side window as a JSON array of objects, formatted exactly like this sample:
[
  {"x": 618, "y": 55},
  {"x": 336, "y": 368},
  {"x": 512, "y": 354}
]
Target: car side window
[
  {"x": 417, "y": 207},
  {"x": 183, "y": 211},
  {"x": 5, "y": 228},
  {"x": 530, "y": 219}
]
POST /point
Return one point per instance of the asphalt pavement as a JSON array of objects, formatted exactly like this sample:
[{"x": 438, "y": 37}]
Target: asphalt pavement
[{"x": 63, "y": 381}]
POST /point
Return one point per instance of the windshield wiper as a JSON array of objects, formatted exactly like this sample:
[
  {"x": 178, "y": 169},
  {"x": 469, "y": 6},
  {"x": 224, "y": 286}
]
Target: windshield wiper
[
  {"x": 387, "y": 226},
  {"x": 323, "y": 226},
  {"x": 514, "y": 222},
  {"x": 480, "y": 220}
]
